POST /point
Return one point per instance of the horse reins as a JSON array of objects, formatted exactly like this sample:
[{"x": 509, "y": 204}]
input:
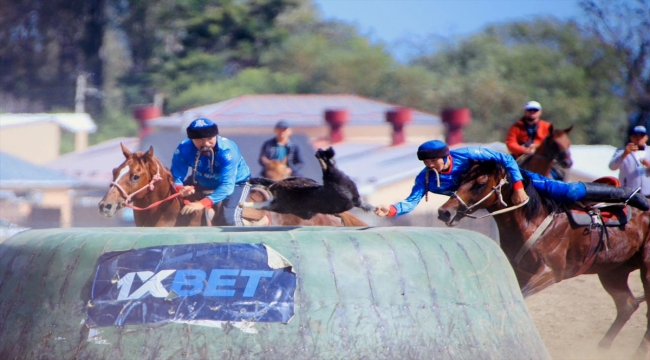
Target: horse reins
[{"x": 129, "y": 197}]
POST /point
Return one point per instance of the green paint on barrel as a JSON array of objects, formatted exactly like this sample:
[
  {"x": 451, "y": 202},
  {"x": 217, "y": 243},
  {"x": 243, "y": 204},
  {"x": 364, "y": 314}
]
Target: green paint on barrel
[{"x": 376, "y": 293}]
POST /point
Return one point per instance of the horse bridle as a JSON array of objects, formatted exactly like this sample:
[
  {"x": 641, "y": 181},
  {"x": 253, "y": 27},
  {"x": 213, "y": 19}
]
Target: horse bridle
[
  {"x": 150, "y": 186},
  {"x": 552, "y": 155},
  {"x": 495, "y": 189}
]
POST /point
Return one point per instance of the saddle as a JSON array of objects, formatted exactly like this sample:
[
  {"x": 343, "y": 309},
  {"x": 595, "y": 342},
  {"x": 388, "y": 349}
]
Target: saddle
[
  {"x": 581, "y": 215},
  {"x": 596, "y": 220},
  {"x": 256, "y": 194}
]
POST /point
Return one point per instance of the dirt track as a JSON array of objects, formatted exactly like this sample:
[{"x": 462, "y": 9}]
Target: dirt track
[{"x": 573, "y": 316}]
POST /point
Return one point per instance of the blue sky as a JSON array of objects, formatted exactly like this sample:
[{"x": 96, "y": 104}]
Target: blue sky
[{"x": 399, "y": 22}]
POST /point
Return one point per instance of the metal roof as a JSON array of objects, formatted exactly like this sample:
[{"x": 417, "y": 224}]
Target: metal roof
[
  {"x": 73, "y": 122},
  {"x": 93, "y": 166},
  {"x": 20, "y": 174},
  {"x": 300, "y": 110}
]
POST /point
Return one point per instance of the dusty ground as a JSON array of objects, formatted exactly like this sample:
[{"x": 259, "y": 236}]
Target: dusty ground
[{"x": 573, "y": 316}]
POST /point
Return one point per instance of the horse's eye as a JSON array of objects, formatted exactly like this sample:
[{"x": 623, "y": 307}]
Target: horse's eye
[
  {"x": 478, "y": 185},
  {"x": 135, "y": 177}
]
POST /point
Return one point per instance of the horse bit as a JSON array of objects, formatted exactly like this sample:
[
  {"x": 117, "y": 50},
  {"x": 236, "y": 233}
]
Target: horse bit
[{"x": 496, "y": 189}]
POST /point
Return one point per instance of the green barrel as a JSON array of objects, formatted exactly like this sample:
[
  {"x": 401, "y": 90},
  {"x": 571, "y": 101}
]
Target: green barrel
[{"x": 371, "y": 293}]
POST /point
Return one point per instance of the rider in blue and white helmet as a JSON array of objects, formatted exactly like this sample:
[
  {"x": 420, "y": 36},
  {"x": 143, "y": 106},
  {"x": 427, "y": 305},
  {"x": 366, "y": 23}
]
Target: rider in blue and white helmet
[
  {"x": 218, "y": 169},
  {"x": 448, "y": 166}
]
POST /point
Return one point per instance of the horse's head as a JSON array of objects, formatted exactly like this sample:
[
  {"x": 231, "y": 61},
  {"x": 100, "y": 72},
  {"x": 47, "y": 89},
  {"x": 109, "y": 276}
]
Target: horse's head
[
  {"x": 480, "y": 188},
  {"x": 276, "y": 169},
  {"x": 557, "y": 145},
  {"x": 136, "y": 173}
]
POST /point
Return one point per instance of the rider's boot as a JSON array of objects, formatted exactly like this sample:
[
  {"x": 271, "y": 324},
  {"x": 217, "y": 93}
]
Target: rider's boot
[{"x": 605, "y": 193}]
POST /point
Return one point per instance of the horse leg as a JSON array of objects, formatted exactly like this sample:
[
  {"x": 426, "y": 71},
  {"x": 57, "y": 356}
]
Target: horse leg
[
  {"x": 615, "y": 283},
  {"x": 644, "y": 347},
  {"x": 544, "y": 278}
]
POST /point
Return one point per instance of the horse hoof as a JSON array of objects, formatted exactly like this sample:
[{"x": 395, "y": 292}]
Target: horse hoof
[{"x": 241, "y": 204}]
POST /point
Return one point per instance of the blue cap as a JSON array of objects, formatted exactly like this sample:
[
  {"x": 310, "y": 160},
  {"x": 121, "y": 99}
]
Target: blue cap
[
  {"x": 202, "y": 128},
  {"x": 640, "y": 129},
  {"x": 433, "y": 149},
  {"x": 282, "y": 124}
]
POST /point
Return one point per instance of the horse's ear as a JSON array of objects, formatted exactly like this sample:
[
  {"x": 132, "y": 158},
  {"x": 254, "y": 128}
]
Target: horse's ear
[
  {"x": 125, "y": 151},
  {"x": 568, "y": 130},
  {"x": 550, "y": 129},
  {"x": 150, "y": 151},
  {"x": 285, "y": 161}
]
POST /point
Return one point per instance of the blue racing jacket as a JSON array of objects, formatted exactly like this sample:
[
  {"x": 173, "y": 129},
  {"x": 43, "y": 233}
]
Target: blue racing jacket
[
  {"x": 461, "y": 160},
  {"x": 229, "y": 167}
]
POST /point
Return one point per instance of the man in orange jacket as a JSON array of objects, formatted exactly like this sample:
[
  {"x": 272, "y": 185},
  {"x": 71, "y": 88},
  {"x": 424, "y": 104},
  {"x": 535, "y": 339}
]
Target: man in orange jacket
[{"x": 528, "y": 132}]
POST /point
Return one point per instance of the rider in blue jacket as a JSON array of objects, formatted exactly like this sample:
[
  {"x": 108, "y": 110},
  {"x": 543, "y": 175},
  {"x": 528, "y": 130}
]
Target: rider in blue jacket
[
  {"x": 450, "y": 165},
  {"x": 281, "y": 147},
  {"x": 218, "y": 170}
]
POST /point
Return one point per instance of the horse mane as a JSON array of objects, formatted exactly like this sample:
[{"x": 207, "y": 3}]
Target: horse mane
[{"x": 536, "y": 202}]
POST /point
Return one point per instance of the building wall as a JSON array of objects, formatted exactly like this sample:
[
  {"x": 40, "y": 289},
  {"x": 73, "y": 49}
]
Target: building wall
[
  {"x": 37, "y": 143},
  {"x": 46, "y": 208}
]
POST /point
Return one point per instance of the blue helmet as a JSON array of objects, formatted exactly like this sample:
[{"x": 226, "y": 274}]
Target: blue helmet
[
  {"x": 433, "y": 149},
  {"x": 202, "y": 128}
]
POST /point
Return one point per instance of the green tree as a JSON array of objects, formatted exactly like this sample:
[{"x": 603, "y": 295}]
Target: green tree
[
  {"x": 623, "y": 29},
  {"x": 547, "y": 60},
  {"x": 44, "y": 45}
]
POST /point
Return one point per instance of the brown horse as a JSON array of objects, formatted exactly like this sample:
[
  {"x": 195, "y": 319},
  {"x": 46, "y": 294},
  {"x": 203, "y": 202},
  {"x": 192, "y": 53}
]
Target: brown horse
[
  {"x": 544, "y": 253},
  {"x": 143, "y": 181},
  {"x": 553, "y": 150},
  {"x": 276, "y": 169}
]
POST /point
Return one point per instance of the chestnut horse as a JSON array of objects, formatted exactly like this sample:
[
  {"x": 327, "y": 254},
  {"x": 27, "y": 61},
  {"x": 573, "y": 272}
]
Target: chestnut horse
[
  {"x": 543, "y": 253},
  {"x": 276, "y": 169},
  {"x": 145, "y": 184},
  {"x": 554, "y": 148}
]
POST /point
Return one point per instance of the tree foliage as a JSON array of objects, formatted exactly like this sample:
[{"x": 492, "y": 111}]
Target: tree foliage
[
  {"x": 200, "y": 52},
  {"x": 623, "y": 29},
  {"x": 496, "y": 72}
]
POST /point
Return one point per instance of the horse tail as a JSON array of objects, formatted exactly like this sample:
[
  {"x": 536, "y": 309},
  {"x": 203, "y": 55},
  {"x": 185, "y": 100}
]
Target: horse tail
[
  {"x": 350, "y": 220},
  {"x": 366, "y": 206}
]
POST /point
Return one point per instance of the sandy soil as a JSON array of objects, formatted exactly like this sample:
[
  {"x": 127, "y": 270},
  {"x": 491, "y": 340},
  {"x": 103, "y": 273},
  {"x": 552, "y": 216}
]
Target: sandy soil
[{"x": 573, "y": 316}]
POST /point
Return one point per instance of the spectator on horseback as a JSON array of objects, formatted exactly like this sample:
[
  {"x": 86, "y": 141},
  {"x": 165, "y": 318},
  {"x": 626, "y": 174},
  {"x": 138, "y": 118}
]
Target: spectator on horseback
[
  {"x": 280, "y": 147},
  {"x": 218, "y": 171},
  {"x": 527, "y": 134},
  {"x": 443, "y": 169},
  {"x": 633, "y": 161}
]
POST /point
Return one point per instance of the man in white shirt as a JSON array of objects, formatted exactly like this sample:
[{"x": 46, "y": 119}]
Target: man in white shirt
[{"x": 633, "y": 161}]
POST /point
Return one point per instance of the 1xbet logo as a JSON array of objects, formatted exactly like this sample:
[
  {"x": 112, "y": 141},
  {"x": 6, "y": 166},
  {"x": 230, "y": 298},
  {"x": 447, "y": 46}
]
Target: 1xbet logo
[{"x": 190, "y": 283}]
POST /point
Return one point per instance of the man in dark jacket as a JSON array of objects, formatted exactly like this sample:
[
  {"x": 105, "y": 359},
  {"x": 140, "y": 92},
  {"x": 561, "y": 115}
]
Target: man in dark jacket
[{"x": 281, "y": 147}]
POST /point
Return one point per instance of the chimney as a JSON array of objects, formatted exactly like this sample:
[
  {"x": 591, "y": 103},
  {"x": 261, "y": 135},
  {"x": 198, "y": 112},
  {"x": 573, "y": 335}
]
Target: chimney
[
  {"x": 399, "y": 117},
  {"x": 456, "y": 120},
  {"x": 145, "y": 113},
  {"x": 336, "y": 118}
]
